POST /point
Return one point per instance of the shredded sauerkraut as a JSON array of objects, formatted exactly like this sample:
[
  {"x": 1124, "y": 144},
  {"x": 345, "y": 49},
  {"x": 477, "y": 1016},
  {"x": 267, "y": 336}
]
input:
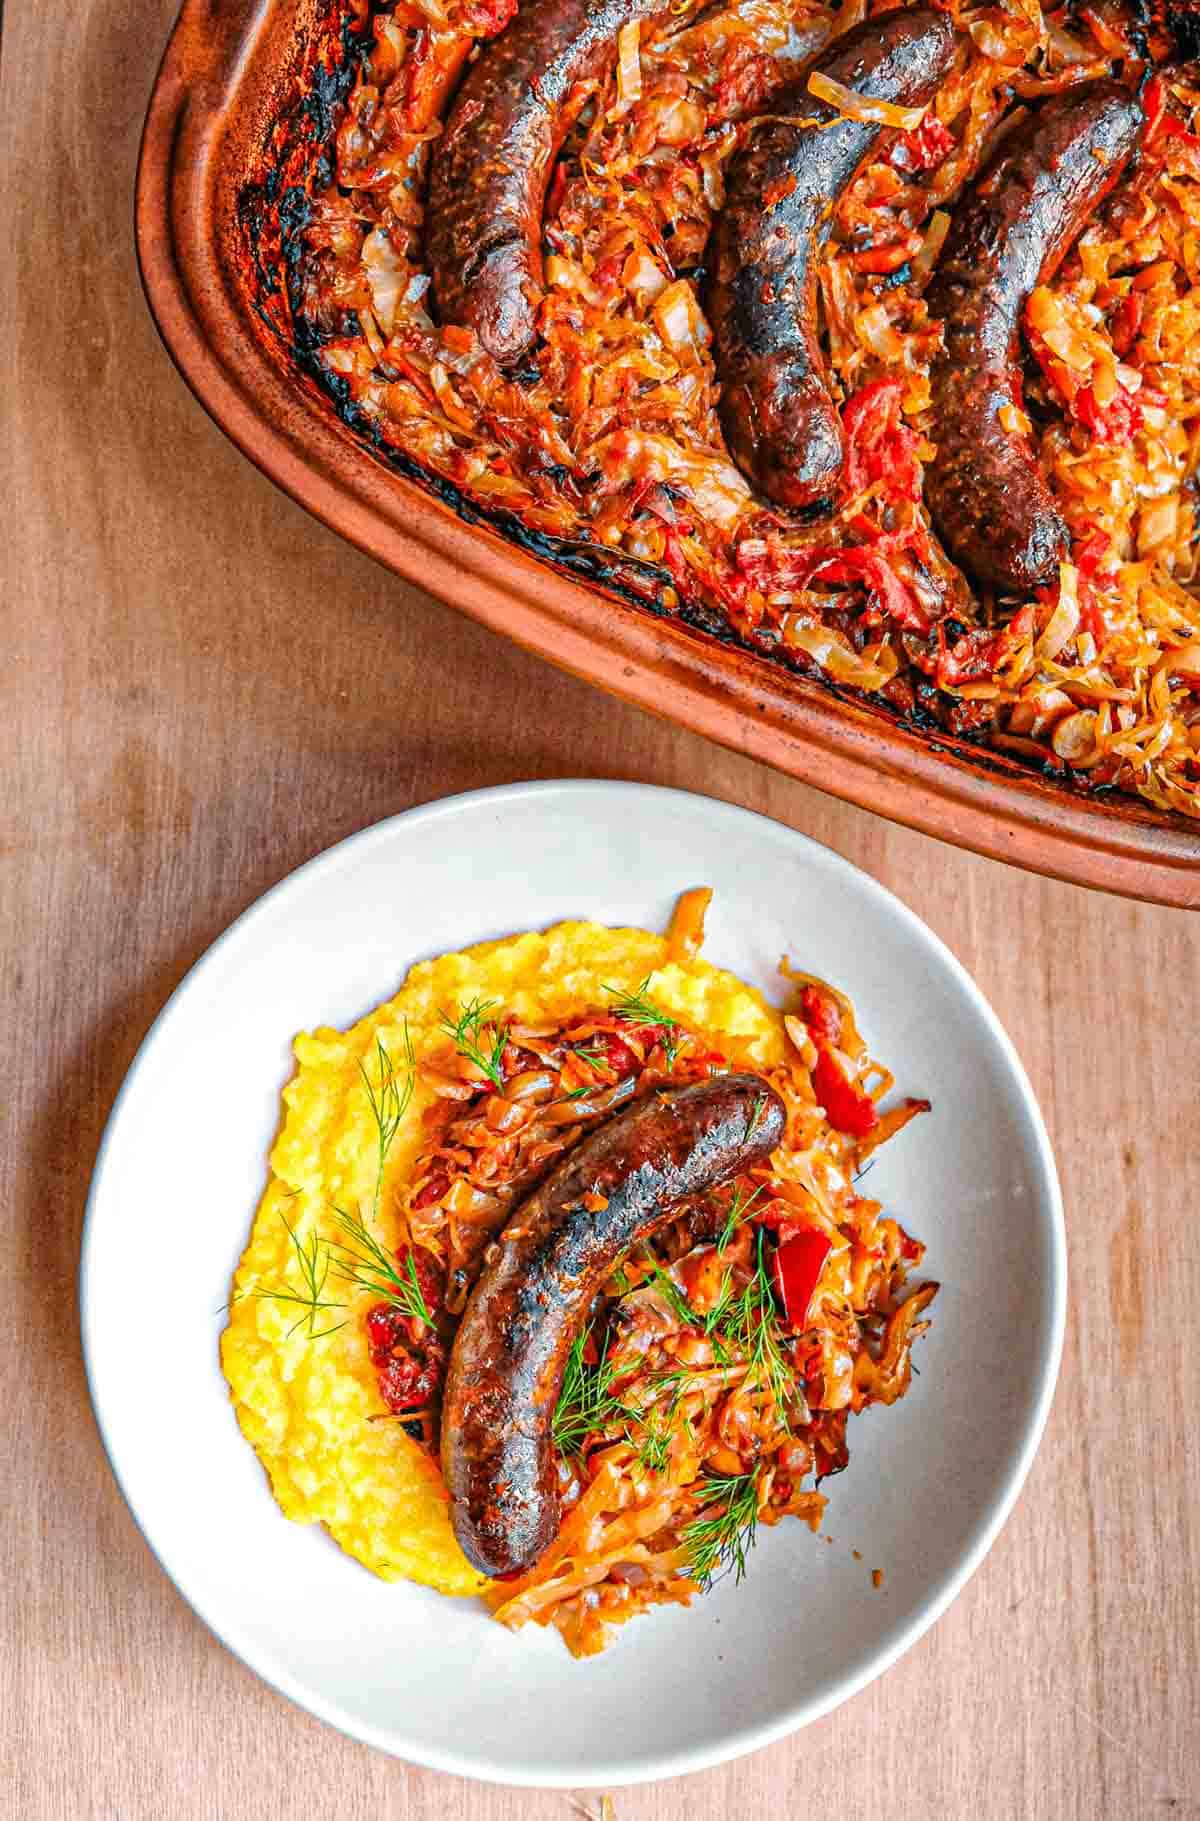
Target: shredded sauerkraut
[{"x": 611, "y": 434}]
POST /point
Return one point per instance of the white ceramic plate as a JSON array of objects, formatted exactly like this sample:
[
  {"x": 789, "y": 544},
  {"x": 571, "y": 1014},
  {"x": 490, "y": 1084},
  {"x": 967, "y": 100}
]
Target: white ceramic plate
[{"x": 930, "y": 1481}]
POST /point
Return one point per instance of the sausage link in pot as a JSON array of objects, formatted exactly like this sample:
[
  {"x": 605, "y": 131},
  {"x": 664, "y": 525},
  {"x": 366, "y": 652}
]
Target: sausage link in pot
[
  {"x": 781, "y": 424},
  {"x": 985, "y": 489},
  {"x": 492, "y": 163},
  {"x": 533, "y": 1298}
]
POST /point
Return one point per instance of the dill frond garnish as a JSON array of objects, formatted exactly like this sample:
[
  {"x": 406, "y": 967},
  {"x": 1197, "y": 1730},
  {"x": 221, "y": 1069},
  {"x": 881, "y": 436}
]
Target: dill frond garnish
[
  {"x": 739, "y": 1206},
  {"x": 725, "y": 1299},
  {"x": 469, "y": 1035},
  {"x": 651, "y": 1438},
  {"x": 636, "y": 1008},
  {"x": 587, "y": 1406},
  {"x": 585, "y": 1403},
  {"x": 750, "y": 1323},
  {"x": 365, "y": 1262},
  {"x": 389, "y": 1100},
  {"x": 313, "y": 1262},
  {"x": 653, "y": 1445},
  {"x": 717, "y": 1541},
  {"x": 360, "y": 1259}
]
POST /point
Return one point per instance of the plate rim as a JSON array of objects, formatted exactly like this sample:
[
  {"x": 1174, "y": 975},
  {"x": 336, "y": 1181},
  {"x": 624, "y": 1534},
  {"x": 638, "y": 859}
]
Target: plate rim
[{"x": 743, "y": 1739}]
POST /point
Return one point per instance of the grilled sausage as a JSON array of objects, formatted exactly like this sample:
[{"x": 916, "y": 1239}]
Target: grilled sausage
[
  {"x": 780, "y": 422},
  {"x": 532, "y": 1299},
  {"x": 985, "y": 489},
  {"x": 492, "y": 163}
]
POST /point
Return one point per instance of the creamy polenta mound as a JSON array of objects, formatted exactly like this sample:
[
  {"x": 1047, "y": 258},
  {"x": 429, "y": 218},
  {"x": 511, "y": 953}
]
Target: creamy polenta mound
[{"x": 310, "y": 1407}]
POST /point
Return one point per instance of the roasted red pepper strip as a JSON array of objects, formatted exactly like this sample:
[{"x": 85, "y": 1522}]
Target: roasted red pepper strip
[
  {"x": 433, "y": 1190},
  {"x": 922, "y": 149},
  {"x": 1126, "y": 322},
  {"x": 870, "y": 567},
  {"x": 1115, "y": 422},
  {"x": 1091, "y": 557},
  {"x": 1158, "y": 120},
  {"x": 880, "y": 445},
  {"x": 848, "y": 1109},
  {"x": 797, "y": 1266},
  {"x": 821, "y": 1014},
  {"x": 1154, "y": 104},
  {"x": 487, "y": 18}
]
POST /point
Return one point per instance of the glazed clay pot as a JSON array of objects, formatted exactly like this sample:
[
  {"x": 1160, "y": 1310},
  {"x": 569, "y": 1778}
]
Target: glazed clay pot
[{"x": 229, "y": 75}]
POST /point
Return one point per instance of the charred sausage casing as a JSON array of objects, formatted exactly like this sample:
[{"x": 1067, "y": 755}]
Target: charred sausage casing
[
  {"x": 985, "y": 489},
  {"x": 492, "y": 163},
  {"x": 533, "y": 1298},
  {"x": 780, "y": 421}
]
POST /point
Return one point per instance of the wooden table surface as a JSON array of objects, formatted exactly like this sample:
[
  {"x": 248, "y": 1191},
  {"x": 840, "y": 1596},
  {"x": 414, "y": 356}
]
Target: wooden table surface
[{"x": 202, "y": 689}]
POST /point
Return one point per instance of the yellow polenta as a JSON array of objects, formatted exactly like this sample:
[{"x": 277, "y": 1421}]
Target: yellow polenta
[{"x": 309, "y": 1406}]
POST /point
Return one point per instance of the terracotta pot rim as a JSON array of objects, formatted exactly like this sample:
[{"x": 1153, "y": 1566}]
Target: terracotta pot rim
[{"x": 185, "y": 185}]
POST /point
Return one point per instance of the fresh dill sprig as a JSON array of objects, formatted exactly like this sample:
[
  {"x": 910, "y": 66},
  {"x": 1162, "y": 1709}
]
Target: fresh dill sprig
[
  {"x": 587, "y": 1406},
  {"x": 739, "y": 1206},
  {"x": 726, "y": 1296},
  {"x": 360, "y": 1259},
  {"x": 389, "y": 1100},
  {"x": 751, "y": 1324},
  {"x": 585, "y": 1403},
  {"x": 717, "y": 1541},
  {"x": 652, "y": 1446},
  {"x": 313, "y": 1262},
  {"x": 651, "y": 1439},
  {"x": 469, "y": 1035},
  {"x": 636, "y": 1008}
]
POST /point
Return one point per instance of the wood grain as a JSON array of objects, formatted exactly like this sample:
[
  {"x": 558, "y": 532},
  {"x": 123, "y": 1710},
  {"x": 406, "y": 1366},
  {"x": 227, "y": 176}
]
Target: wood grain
[{"x": 203, "y": 688}]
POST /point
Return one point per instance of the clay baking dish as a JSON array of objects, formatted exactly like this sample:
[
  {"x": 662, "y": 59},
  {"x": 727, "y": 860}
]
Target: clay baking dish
[{"x": 230, "y": 75}]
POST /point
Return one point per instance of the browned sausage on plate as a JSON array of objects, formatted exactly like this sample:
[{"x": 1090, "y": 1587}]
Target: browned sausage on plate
[
  {"x": 985, "y": 489},
  {"x": 491, "y": 165},
  {"x": 780, "y": 422},
  {"x": 532, "y": 1299}
]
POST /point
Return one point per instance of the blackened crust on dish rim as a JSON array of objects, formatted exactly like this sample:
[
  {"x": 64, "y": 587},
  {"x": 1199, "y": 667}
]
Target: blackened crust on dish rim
[{"x": 273, "y": 213}]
